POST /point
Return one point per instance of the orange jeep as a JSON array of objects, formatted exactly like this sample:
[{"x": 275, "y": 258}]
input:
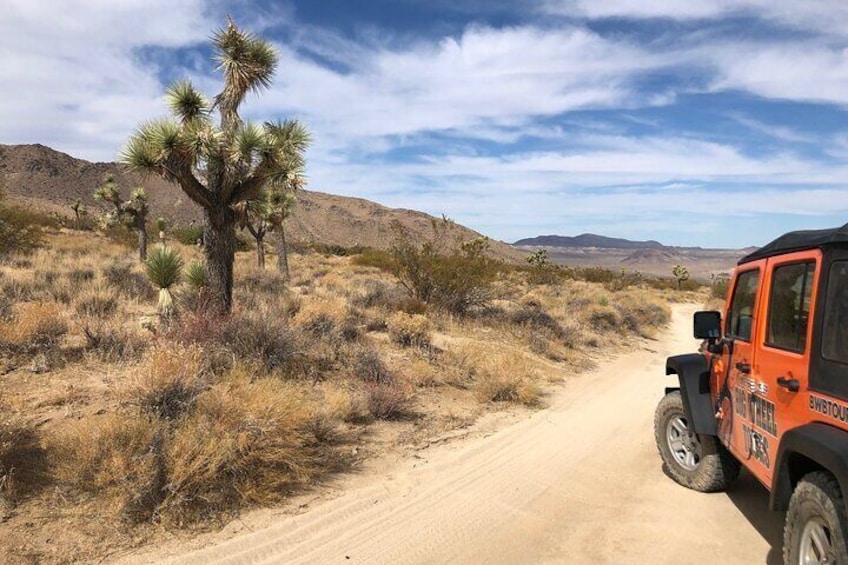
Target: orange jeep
[{"x": 769, "y": 390}]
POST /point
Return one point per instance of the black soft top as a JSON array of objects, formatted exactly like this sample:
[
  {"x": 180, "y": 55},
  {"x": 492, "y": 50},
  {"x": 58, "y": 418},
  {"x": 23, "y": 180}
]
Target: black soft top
[{"x": 799, "y": 241}]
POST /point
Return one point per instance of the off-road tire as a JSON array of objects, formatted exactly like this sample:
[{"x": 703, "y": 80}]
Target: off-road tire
[
  {"x": 715, "y": 470},
  {"x": 816, "y": 500}
]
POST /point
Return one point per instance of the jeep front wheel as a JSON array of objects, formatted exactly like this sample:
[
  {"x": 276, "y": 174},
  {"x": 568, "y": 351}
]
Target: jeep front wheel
[
  {"x": 815, "y": 522},
  {"x": 696, "y": 461}
]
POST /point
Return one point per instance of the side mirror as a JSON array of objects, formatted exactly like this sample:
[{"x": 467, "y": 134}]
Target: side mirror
[{"x": 708, "y": 325}]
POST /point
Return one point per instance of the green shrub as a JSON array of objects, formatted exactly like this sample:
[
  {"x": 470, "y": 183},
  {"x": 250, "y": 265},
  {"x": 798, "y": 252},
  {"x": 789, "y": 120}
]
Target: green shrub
[
  {"x": 454, "y": 277},
  {"x": 188, "y": 235},
  {"x": 21, "y": 231}
]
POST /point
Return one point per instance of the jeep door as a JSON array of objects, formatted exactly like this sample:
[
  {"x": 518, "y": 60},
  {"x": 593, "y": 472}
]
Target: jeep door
[
  {"x": 731, "y": 371},
  {"x": 782, "y": 360}
]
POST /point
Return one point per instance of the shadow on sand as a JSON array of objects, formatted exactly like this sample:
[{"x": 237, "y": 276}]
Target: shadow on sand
[{"x": 751, "y": 498}]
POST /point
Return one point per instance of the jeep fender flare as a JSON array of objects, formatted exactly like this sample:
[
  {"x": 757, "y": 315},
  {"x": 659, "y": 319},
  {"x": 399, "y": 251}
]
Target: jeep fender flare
[
  {"x": 693, "y": 372},
  {"x": 807, "y": 448}
]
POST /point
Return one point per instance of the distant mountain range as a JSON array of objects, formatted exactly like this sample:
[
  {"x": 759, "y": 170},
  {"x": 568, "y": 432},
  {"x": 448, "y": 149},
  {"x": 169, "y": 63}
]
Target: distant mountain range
[{"x": 588, "y": 240}]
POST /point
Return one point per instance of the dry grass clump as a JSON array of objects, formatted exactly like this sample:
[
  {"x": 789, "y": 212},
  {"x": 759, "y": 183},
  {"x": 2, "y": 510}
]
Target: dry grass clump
[
  {"x": 128, "y": 281},
  {"x": 262, "y": 337},
  {"x": 239, "y": 442},
  {"x": 498, "y": 374},
  {"x": 169, "y": 380},
  {"x": 22, "y": 462},
  {"x": 387, "y": 396},
  {"x": 33, "y": 327},
  {"x": 410, "y": 330},
  {"x": 115, "y": 456},
  {"x": 112, "y": 341},
  {"x": 96, "y": 301},
  {"x": 321, "y": 317}
]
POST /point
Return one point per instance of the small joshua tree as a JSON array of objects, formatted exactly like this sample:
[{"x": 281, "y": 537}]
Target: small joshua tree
[
  {"x": 131, "y": 213},
  {"x": 260, "y": 217},
  {"x": 164, "y": 269},
  {"x": 539, "y": 258},
  {"x": 681, "y": 273}
]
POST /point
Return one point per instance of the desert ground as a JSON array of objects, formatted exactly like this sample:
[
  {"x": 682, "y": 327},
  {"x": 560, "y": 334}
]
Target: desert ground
[
  {"x": 577, "y": 482},
  {"x": 122, "y": 428}
]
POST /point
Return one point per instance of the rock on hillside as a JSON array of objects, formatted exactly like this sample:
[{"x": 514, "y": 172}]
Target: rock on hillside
[{"x": 52, "y": 181}]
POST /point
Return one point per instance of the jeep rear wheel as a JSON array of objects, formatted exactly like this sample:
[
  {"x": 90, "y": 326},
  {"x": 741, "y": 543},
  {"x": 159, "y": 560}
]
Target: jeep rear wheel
[
  {"x": 815, "y": 523},
  {"x": 696, "y": 461}
]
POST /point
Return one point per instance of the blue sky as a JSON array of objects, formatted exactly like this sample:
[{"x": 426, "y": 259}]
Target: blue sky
[{"x": 717, "y": 123}]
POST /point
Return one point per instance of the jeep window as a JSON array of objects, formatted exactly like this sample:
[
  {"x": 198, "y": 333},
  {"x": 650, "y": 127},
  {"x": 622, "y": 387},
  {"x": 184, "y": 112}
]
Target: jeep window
[
  {"x": 835, "y": 334},
  {"x": 789, "y": 306},
  {"x": 740, "y": 318}
]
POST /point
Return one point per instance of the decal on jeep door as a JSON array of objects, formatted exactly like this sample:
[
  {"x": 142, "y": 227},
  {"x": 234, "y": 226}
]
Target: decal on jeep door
[
  {"x": 756, "y": 444},
  {"x": 756, "y": 409},
  {"x": 829, "y": 408}
]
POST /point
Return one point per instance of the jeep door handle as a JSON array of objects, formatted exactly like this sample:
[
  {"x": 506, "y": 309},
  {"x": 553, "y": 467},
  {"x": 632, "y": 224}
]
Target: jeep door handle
[
  {"x": 792, "y": 385},
  {"x": 744, "y": 368}
]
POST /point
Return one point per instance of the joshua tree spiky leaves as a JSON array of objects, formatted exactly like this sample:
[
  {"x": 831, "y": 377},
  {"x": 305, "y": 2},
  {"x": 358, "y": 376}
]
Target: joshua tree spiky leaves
[
  {"x": 219, "y": 166},
  {"x": 132, "y": 213},
  {"x": 164, "y": 269}
]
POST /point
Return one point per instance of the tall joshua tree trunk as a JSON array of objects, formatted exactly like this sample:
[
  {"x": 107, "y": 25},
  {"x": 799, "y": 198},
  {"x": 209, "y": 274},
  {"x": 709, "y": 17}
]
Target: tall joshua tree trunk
[
  {"x": 219, "y": 248},
  {"x": 260, "y": 251},
  {"x": 141, "y": 227},
  {"x": 282, "y": 254}
]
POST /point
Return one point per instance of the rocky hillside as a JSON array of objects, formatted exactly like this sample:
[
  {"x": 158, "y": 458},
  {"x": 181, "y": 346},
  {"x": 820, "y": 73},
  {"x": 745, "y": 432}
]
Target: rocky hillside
[{"x": 50, "y": 180}]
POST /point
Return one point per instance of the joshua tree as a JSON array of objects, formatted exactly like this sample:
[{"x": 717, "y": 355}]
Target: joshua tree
[
  {"x": 132, "y": 213},
  {"x": 681, "y": 273},
  {"x": 260, "y": 217},
  {"x": 219, "y": 166}
]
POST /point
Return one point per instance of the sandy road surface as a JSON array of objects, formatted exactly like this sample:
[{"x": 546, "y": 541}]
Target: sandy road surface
[{"x": 579, "y": 482}]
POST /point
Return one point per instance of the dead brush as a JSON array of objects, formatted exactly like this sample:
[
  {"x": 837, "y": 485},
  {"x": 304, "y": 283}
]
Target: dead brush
[
  {"x": 33, "y": 328},
  {"x": 113, "y": 342},
  {"x": 23, "y": 467},
  {"x": 96, "y": 301},
  {"x": 245, "y": 442},
  {"x": 409, "y": 330},
  {"x": 117, "y": 457},
  {"x": 168, "y": 381}
]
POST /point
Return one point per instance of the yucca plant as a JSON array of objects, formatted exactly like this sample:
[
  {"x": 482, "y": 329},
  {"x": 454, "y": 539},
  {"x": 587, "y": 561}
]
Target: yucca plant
[
  {"x": 220, "y": 165},
  {"x": 195, "y": 275},
  {"x": 164, "y": 268}
]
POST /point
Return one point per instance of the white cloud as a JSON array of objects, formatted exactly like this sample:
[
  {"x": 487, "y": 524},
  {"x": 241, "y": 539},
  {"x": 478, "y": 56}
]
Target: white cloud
[{"x": 71, "y": 74}]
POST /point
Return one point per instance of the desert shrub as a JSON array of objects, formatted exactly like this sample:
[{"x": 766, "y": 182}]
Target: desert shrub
[
  {"x": 603, "y": 317},
  {"x": 409, "y": 330},
  {"x": 338, "y": 250},
  {"x": 188, "y": 235},
  {"x": 117, "y": 456},
  {"x": 33, "y": 327},
  {"x": 96, "y": 301},
  {"x": 6, "y": 303},
  {"x": 505, "y": 377},
  {"x": 113, "y": 342},
  {"x": 321, "y": 318},
  {"x": 596, "y": 274},
  {"x": 641, "y": 313},
  {"x": 245, "y": 442},
  {"x": 532, "y": 315},
  {"x": 21, "y": 230},
  {"x": 377, "y": 258},
  {"x": 80, "y": 276},
  {"x": 128, "y": 282},
  {"x": 22, "y": 460},
  {"x": 388, "y": 400},
  {"x": 719, "y": 289},
  {"x": 168, "y": 381},
  {"x": 454, "y": 277},
  {"x": 261, "y": 338},
  {"x": 664, "y": 283},
  {"x": 369, "y": 367},
  {"x": 195, "y": 274}
]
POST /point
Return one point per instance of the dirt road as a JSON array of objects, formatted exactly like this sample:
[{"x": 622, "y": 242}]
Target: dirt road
[{"x": 579, "y": 482}]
